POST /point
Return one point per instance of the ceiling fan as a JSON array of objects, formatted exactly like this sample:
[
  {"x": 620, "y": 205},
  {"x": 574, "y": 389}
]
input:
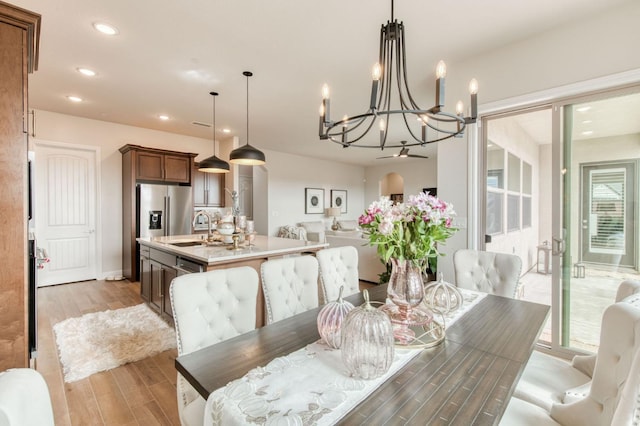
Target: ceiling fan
[{"x": 404, "y": 152}]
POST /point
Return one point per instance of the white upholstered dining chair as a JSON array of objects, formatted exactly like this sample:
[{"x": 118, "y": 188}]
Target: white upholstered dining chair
[
  {"x": 24, "y": 399},
  {"x": 488, "y": 272},
  {"x": 210, "y": 307},
  {"x": 548, "y": 379},
  {"x": 586, "y": 363},
  {"x": 338, "y": 268},
  {"x": 613, "y": 393},
  {"x": 290, "y": 286}
]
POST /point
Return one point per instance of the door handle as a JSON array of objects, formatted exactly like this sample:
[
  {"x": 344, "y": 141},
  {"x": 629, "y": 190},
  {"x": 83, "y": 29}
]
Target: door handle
[
  {"x": 167, "y": 218},
  {"x": 558, "y": 246}
]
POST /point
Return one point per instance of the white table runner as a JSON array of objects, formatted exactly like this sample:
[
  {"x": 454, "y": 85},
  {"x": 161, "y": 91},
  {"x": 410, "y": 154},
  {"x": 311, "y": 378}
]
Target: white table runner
[{"x": 308, "y": 386}]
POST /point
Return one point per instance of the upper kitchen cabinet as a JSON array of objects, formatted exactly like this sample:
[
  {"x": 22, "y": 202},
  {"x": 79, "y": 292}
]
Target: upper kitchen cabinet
[
  {"x": 208, "y": 188},
  {"x": 19, "y": 42},
  {"x": 146, "y": 165},
  {"x": 157, "y": 165}
]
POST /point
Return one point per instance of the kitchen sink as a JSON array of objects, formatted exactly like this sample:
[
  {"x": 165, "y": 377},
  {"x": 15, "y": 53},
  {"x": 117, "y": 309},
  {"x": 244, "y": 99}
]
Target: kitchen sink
[{"x": 189, "y": 243}]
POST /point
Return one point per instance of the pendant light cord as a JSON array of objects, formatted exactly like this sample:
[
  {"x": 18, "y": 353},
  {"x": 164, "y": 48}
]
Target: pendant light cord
[
  {"x": 247, "y": 109},
  {"x": 214, "y": 94},
  {"x": 247, "y": 74}
]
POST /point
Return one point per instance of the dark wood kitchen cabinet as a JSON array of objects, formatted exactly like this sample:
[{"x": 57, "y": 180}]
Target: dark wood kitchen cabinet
[
  {"x": 146, "y": 165},
  {"x": 159, "y": 166},
  {"x": 155, "y": 280},
  {"x": 19, "y": 44},
  {"x": 145, "y": 274},
  {"x": 208, "y": 188}
]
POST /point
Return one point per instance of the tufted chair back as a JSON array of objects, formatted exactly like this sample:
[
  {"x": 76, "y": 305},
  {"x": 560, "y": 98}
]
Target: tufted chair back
[
  {"x": 629, "y": 292},
  {"x": 290, "y": 286},
  {"x": 494, "y": 273},
  {"x": 338, "y": 267},
  {"x": 628, "y": 409},
  {"x": 210, "y": 307},
  {"x": 618, "y": 351},
  {"x": 626, "y": 289},
  {"x": 24, "y": 398}
]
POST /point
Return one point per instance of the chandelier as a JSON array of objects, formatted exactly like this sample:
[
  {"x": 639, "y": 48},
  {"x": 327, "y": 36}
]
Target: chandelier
[{"x": 424, "y": 125}]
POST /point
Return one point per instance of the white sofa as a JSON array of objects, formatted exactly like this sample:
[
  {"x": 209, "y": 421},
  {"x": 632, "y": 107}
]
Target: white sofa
[{"x": 369, "y": 264}]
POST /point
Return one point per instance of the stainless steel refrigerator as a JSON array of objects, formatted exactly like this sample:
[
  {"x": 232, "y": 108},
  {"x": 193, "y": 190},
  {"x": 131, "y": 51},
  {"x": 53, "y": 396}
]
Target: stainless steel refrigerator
[{"x": 163, "y": 210}]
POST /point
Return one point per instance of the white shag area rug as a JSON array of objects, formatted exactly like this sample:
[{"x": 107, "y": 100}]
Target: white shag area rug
[{"x": 101, "y": 341}]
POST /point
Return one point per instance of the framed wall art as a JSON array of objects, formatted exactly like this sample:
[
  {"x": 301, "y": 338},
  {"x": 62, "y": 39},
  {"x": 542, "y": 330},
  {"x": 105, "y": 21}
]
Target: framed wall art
[
  {"x": 339, "y": 199},
  {"x": 397, "y": 198},
  {"x": 314, "y": 200}
]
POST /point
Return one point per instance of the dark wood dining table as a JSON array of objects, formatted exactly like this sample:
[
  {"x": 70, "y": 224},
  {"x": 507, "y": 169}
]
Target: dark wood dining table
[{"x": 467, "y": 379}]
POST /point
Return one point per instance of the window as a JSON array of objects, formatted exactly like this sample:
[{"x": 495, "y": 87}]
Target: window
[
  {"x": 513, "y": 212},
  {"x": 495, "y": 189}
]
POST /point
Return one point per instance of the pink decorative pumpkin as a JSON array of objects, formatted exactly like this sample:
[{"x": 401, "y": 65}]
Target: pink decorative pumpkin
[
  {"x": 330, "y": 320},
  {"x": 367, "y": 341}
]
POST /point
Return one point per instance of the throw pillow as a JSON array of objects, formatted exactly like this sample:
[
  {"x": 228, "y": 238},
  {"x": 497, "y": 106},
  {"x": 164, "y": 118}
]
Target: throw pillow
[{"x": 347, "y": 225}]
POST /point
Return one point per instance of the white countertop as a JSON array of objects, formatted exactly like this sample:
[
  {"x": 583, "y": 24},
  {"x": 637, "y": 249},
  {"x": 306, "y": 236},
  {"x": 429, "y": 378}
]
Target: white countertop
[{"x": 218, "y": 253}]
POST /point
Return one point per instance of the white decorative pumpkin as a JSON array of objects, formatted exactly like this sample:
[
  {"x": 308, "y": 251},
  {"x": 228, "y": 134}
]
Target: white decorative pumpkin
[
  {"x": 443, "y": 296},
  {"x": 330, "y": 320},
  {"x": 367, "y": 341}
]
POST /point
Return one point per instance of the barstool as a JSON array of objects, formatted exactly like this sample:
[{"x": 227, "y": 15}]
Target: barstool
[
  {"x": 578, "y": 270},
  {"x": 546, "y": 250}
]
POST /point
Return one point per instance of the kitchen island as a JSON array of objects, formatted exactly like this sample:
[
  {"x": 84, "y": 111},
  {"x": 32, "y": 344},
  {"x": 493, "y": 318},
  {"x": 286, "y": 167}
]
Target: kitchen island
[{"x": 164, "y": 258}]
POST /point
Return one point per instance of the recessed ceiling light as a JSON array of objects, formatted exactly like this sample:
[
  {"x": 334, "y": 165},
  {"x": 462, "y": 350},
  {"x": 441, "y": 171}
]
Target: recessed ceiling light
[
  {"x": 226, "y": 130},
  {"x": 587, "y": 121},
  {"x": 74, "y": 98},
  {"x": 105, "y": 28},
  {"x": 86, "y": 71},
  {"x": 583, "y": 109},
  {"x": 163, "y": 117},
  {"x": 587, "y": 132}
]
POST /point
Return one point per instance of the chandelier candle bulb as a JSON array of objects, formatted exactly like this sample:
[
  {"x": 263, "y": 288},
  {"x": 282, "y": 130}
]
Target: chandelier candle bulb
[
  {"x": 375, "y": 74},
  {"x": 321, "y": 121},
  {"x": 345, "y": 124},
  {"x": 325, "y": 102},
  {"x": 382, "y": 133},
  {"x": 424, "y": 131},
  {"x": 473, "y": 89},
  {"x": 441, "y": 72}
]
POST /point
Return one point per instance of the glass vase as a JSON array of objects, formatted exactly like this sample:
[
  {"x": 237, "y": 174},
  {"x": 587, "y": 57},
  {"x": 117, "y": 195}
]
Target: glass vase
[
  {"x": 406, "y": 286},
  {"x": 406, "y": 293}
]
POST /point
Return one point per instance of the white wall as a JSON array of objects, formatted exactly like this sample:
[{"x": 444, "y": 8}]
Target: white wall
[
  {"x": 513, "y": 139},
  {"x": 544, "y": 216},
  {"x": 278, "y": 186},
  {"x": 110, "y": 137},
  {"x": 290, "y": 174},
  {"x": 416, "y": 174},
  {"x": 595, "y": 47}
]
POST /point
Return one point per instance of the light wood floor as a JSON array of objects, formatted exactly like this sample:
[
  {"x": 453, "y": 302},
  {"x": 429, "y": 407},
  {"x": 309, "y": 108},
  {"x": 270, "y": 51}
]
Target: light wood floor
[{"x": 140, "y": 393}]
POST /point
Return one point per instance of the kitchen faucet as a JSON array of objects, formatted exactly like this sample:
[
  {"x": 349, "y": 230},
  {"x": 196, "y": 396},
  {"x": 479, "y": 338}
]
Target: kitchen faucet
[{"x": 205, "y": 214}]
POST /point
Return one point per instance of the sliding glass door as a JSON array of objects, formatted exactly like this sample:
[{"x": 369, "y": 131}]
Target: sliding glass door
[{"x": 560, "y": 189}]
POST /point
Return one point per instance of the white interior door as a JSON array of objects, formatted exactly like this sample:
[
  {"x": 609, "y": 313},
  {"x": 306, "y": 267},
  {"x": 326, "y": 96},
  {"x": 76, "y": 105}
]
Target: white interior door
[{"x": 65, "y": 212}]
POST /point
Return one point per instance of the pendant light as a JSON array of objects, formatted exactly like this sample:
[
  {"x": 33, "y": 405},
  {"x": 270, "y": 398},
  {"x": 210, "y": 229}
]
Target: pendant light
[
  {"x": 214, "y": 164},
  {"x": 247, "y": 155}
]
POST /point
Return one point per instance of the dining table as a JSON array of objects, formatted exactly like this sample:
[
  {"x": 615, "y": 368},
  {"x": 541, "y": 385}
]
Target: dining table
[{"x": 466, "y": 379}]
